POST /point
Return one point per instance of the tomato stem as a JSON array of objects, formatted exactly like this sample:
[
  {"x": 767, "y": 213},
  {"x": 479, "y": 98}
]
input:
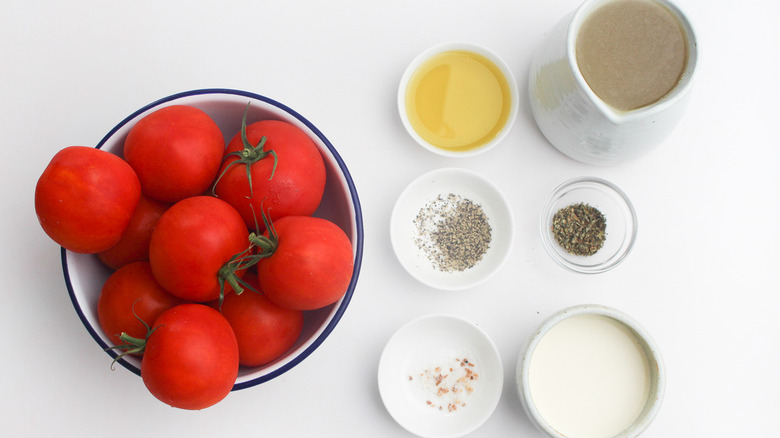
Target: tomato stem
[
  {"x": 228, "y": 273},
  {"x": 267, "y": 244},
  {"x": 248, "y": 156},
  {"x": 138, "y": 344},
  {"x": 131, "y": 344}
]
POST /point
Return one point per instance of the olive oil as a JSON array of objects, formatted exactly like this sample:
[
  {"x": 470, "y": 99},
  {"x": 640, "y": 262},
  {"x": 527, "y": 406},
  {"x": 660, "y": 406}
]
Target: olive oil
[{"x": 458, "y": 100}]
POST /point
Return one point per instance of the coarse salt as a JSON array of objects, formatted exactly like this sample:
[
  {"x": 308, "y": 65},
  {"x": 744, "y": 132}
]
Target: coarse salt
[{"x": 447, "y": 386}]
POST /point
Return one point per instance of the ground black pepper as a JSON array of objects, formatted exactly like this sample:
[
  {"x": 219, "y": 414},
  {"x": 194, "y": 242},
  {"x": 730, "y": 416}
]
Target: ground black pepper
[{"x": 454, "y": 232}]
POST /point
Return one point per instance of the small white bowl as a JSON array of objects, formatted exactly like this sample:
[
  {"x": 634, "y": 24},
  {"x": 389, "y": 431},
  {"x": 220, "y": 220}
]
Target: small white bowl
[
  {"x": 468, "y": 185},
  {"x": 645, "y": 349},
  {"x": 419, "y": 347},
  {"x": 467, "y": 47},
  {"x": 620, "y": 217}
]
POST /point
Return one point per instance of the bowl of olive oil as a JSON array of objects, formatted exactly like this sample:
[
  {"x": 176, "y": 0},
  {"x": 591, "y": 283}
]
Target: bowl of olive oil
[{"x": 458, "y": 99}]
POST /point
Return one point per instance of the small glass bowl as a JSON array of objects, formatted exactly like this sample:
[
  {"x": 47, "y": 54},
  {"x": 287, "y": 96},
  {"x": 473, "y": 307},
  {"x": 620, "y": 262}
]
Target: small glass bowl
[{"x": 620, "y": 219}]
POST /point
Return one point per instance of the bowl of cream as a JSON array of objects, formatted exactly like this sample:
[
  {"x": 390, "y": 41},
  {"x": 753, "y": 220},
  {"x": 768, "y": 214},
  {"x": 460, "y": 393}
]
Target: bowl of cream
[{"x": 591, "y": 371}]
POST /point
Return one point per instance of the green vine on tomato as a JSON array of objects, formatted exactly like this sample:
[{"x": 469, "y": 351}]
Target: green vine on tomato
[
  {"x": 228, "y": 273},
  {"x": 131, "y": 344},
  {"x": 246, "y": 259},
  {"x": 267, "y": 245},
  {"x": 247, "y": 156}
]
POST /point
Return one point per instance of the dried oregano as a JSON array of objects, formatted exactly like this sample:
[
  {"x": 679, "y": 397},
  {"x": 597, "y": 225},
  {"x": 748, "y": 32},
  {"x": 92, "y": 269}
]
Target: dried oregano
[{"x": 580, "y": 229}]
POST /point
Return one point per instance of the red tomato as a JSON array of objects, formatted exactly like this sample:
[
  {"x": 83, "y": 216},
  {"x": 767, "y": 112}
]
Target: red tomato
[
  {"x": 291, "y": 183},
  {"x": 264, "y": 331},
  {"x": 191, "y": 358},
  {"x": 85, "y": 198},
  {"x": 134, "y": 244},
  {"x": 176, "y": 152},
  {"x": 311, "y": 266},
  {"x": 192, "y": 242},
  {"x": 131, "y": 293}
]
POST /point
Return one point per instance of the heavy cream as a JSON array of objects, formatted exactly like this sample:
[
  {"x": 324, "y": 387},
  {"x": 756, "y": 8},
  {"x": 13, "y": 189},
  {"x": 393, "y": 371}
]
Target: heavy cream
[{"x": 589, "y": 377}]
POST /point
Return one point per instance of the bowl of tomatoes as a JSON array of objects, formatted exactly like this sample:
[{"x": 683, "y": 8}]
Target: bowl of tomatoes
[{"x": 249, "y": 221}]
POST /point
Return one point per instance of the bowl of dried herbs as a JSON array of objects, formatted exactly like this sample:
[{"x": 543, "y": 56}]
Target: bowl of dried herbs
[{"x": 588, "y": 225}]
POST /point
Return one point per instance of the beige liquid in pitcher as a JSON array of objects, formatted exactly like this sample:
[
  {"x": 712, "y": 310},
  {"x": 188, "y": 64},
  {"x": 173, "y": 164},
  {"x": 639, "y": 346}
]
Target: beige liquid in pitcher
[{"x": 631, "y": 52}]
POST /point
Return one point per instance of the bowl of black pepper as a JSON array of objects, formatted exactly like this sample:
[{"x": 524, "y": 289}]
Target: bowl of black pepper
[
  {"x": 588, "y": 225},
  {"x": 451, "y": 229}
]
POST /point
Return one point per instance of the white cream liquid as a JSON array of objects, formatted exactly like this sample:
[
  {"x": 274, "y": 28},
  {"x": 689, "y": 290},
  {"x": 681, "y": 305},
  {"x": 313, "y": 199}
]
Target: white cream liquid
[{"x": 589, "y": 377}]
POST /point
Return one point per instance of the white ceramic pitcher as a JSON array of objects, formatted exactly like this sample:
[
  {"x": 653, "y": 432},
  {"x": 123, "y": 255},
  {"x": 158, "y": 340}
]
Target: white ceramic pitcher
[{"x": 581, "y": 125}]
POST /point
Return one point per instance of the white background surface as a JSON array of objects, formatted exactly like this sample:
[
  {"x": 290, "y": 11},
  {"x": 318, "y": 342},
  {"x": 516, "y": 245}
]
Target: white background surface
[{"x": 703, "y": 277}]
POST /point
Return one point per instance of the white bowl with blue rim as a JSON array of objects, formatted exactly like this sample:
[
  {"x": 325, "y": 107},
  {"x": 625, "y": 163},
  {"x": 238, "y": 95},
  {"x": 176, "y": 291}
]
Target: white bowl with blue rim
[{"x": 85, "y": 274}]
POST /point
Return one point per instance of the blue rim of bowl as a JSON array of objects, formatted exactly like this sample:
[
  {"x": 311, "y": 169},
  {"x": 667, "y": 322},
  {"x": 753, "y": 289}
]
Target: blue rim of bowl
[{"x": 358, "y": 244}]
